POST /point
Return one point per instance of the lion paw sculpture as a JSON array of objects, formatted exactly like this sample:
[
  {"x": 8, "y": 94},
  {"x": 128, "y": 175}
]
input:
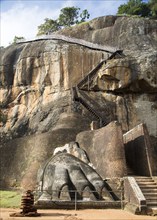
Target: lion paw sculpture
[{"x": 69, "y": 173}]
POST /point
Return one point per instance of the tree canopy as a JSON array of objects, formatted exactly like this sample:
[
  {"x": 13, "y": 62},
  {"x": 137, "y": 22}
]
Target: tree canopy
[
  {"x": 68, "y": 16},
  {"x": 140, "y": 8},
  {"x": 17, "y": 39},
  {"x": 49, "y": 25},
  {"x": 153, "y": 8}
]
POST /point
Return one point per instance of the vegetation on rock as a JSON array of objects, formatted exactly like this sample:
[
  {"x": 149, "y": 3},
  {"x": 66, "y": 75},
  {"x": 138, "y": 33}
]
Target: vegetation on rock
[
  {"x": 140, "y": 8},
  {"x": 17, "y": 39},
  {"x": 68, "y": 17}
]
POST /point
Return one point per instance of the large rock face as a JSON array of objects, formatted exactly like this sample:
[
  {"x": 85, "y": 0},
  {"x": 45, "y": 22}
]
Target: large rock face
[
  {"x": 131, "y": 83},
  {"x": 127, "y": 33},
  {"x": 22, "y": 157},
  {"x": 36, "y": 80}
]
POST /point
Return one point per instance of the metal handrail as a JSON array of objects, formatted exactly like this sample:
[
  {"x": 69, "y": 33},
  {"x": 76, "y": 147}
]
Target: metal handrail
[{"x": 37, "y": 194}]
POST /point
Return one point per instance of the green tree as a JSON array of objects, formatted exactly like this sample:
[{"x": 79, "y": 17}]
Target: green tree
[
  {"x": 135, "y": 7},
  {"x": 68, "y": 16},
  {"x": 153, "y": 7},
  {"x": 17, "y": 39},
  {"x": 84, "y": 15},
  {"x": 49, "y": 25}
]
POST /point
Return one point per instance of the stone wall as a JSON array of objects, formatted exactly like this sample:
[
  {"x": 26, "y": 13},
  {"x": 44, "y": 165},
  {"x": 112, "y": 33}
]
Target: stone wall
[
  {"x": 22, "y": 157},
  {"x": 140, "y": 154},
  {"x": 105, "y": 149}
]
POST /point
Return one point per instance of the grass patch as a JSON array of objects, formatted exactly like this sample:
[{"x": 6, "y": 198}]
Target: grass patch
[{"x": 10, "y": 199}]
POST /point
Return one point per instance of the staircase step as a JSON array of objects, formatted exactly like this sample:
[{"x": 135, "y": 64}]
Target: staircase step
[
  {"x": 150, "y": 194},
  {"x": 148, "y": 190},
  {"x": 151, "y": 200},
  {"x": 148, "y": 186},
  {"x": 150, "y": 197},
  {"x": 143, "y": 179},
  {"x": 146, "y": 183},
  {"x": 151, "y": 203},
  {"x": 152, "y": 207}
]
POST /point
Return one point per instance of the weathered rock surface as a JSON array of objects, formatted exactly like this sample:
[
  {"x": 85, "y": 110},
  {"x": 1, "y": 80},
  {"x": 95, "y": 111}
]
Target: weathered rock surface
[
  {"x": 36, "y": 80},
  {"x": 36, "y": 77},
  {"x": 22, "y": 157},
  {"x": 105, "y": 149},
  {"x": 127, "y": 33}
]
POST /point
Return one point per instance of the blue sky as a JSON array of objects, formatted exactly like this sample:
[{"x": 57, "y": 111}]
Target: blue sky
[{"x": 22, "y": 17}]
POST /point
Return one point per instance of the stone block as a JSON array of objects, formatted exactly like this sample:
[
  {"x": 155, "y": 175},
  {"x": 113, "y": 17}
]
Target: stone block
[
  {"x": 140, "y": 155},
  {"x": 105, "y": 149}
]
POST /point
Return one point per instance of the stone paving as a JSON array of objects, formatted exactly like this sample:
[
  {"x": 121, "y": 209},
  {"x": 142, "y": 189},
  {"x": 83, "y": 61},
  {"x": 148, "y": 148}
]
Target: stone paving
[{"x": 88, "y": 214}]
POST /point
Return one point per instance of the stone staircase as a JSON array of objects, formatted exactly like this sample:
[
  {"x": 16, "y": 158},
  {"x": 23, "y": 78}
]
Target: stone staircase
[{"x": 149, "y": 189}]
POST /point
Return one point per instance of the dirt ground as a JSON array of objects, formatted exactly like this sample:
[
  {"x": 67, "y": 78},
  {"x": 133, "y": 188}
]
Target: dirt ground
[{"x": 88, "y": 214}]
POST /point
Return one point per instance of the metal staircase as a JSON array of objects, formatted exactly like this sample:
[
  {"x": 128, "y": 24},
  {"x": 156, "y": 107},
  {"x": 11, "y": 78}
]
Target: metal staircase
[
  {"x": 88, "y": 78},
  {"x": 91, "y": 74},
  {"x": 79, "y": 97},
  {"x": 77, "y": 91}
]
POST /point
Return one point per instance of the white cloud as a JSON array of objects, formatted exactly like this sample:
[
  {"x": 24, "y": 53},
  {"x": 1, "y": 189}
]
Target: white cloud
[{"x": 22, "y": 20}]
